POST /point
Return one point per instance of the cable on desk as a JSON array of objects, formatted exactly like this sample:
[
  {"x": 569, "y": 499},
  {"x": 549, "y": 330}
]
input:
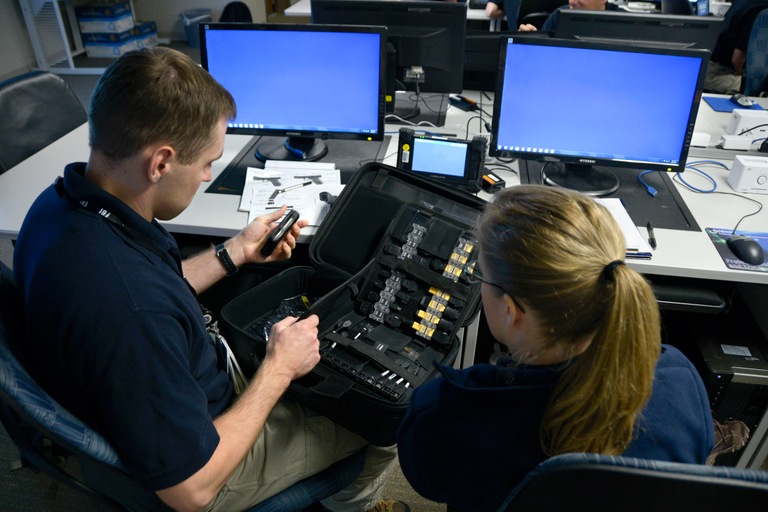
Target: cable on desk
[
  {"x": 753, "y": 128},
  {"x": 714, "y": 190},
  {"x": 494, "y": 166},
  {"x": 648, "y": 188},
  {"x": 483, "y": 121},
  {"x": 389, "y": 117},
  {"x": 690, "y": 187}
]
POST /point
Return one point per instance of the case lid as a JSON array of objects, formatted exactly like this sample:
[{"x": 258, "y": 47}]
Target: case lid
[{"x": 349, "y": 236}]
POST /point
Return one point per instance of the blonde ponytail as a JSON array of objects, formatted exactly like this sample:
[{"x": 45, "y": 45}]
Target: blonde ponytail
[{"x": 561, "y": 254}]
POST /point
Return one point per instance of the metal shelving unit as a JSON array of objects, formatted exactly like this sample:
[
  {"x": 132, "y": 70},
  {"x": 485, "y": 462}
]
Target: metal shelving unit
[{"x": 55, "y": 37}]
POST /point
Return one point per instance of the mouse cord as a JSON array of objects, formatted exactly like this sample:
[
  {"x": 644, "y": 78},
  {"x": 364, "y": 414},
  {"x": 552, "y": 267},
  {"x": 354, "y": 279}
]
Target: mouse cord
[
  {"x": 760, "y": 208},
  {"x": 714, "y": 190}
]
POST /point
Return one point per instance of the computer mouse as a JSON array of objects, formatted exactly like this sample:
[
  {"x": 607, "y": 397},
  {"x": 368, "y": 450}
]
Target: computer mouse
[
  {"x": 742, "y": 100},
  {"x": 746, "y": 249}
]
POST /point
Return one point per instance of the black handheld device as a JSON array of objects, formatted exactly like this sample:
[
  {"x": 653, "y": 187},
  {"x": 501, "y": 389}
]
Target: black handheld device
[
  {"x": 279, "y": 232},
  {"x": 456, "y": 162}
]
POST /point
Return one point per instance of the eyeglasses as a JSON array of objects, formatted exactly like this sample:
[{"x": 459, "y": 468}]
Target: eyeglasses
[{"x": 474, "y": 275}]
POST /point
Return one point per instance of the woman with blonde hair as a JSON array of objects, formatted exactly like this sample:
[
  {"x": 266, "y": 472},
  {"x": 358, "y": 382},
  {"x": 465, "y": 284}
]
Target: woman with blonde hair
[{"x": 586, "y": 370}]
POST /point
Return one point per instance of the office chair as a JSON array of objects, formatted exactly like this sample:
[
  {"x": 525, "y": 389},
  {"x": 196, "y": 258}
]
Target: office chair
[
  {"x": 536, "y": 12},
  {"x": 756, "y": 66},
  {"x": 536, "y": 19},
  {"x": 236, "y": 12},
  {"x": 36, "y": 109},
  {"x": 586, "y": 481},
  {"x": 30, "y": 415}
]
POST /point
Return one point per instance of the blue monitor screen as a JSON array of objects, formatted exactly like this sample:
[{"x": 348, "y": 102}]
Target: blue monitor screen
[
  {"x": 300, "y": 80},
  {"x": 439, "y": 157},
  {"x": 591, "y": 104}
]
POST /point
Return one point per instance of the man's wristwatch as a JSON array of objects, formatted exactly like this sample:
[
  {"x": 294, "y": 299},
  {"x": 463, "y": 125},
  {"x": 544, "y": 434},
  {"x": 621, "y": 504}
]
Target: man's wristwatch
[{"x": 226, "y": 261}]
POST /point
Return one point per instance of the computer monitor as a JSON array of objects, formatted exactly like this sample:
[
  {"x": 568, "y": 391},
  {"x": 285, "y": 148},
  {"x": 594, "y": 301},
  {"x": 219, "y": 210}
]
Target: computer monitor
[
  {"x": 661, "y": 30},
  {"x": 585, "y": 108},
  {"x": 302, "y": 82},
  {"x": 422, "y": 34},
  {"x": 677, "y": 6}
]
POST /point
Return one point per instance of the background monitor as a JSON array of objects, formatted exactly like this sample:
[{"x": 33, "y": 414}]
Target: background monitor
[
  {"x": 662, "y": 30},
  {"x": 481, "y": 56},
  {"x": 301, "y": 82},
  {"x": 678, "y": 7},
  {"x": 585, "y": 108},
  {"x": 424, "y": 34}
]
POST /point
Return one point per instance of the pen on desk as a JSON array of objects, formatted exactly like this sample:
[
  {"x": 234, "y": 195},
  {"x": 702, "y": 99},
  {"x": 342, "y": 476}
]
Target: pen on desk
[
  {"x": 294, "y": 187},
  {"x": 651, "y": 236}
]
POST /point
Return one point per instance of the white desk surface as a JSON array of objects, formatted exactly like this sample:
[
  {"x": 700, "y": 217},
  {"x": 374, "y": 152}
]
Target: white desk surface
[{"x": 680, "y": 253}]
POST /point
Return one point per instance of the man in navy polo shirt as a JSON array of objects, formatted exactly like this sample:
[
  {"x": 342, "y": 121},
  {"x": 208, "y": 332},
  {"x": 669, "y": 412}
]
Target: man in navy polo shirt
[{"x": 116, "y": 333}]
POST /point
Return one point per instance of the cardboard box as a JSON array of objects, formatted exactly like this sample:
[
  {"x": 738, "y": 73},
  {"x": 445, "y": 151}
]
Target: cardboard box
[
  {"x": 108, "y": 44},
  {"x": 105, "y": 18},
  {"x": 145, "y": 33}
]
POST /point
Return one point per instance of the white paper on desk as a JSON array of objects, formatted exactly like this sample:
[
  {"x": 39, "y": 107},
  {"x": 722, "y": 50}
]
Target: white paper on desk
[
  {"x": 637, "y": 245},
  {"x": 278, "y": 175},
  {"x": 305, "y": 200},
  {"x": 296, "y": 184}
]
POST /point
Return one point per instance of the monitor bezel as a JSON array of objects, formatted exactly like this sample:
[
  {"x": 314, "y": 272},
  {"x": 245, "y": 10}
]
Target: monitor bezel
[
  {"x": 378, "y": 135},
  {"x": 569, "y": 22},
  {"x": 701, "y": 55}
]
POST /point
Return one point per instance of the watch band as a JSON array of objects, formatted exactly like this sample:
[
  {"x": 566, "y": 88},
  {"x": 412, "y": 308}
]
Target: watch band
[{"x": 226, "y": 261}]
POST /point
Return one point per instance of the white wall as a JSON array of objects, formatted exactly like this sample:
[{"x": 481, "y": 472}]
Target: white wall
[
  {"x": 167, "y": 14},
  {"x": 17, "y": 55}
]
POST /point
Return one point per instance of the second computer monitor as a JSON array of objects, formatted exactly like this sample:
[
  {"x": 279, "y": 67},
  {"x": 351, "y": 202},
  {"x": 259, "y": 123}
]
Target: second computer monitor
[
  {"x": 583, "y": 109},
  {"x": 427, "y": 35},
  {"x": 657, "y": 30}
]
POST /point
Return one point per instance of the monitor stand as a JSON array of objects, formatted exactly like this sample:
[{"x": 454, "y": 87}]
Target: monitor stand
[
  {"x": 586, "y": 178},
  {"x": 348, "y": 155},
  {"x": 666, "y": 210},
  {"x": 294, "y": 149}
]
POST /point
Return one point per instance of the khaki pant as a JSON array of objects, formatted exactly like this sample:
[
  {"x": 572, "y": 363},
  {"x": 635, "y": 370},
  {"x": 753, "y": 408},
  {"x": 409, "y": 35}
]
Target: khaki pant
[
  {"x": 722, "y": 79},
  {"x": 294, "y": 444}
]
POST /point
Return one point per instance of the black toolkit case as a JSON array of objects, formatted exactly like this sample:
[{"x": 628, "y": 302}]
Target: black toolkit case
[{"x": 387, "y": 281}]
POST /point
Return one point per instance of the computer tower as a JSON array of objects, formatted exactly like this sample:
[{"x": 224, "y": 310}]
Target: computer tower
[{"x": 732, "y": 357}]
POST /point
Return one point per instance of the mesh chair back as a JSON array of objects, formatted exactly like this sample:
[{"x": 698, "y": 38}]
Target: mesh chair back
[{"x": 756, "y": 68}]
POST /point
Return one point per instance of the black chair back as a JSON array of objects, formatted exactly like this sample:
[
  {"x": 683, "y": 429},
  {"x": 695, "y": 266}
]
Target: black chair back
[
  {"x": 36, "y": 109},
  {"x": 582, "y": 481}
]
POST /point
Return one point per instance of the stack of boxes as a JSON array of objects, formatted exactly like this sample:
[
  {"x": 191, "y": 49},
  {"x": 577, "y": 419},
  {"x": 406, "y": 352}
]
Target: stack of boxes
[{"x": 108, "y": 29}]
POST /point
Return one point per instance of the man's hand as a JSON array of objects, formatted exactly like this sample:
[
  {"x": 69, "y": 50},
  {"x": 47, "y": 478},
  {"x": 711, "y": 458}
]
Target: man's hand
[
  {"x": 527, "y": 27},
  {"x": 204, "y": 269},
  {"x": 293, "y": 348},
  {"x": 493, "y": 10},
  {"x": 245, "y": 246}
]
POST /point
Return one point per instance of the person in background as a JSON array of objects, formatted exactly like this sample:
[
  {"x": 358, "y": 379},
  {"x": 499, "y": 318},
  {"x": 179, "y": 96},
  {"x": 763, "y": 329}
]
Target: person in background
[
  {"x": 501, "y": 8},
  {"x": 726, "y": 64},
  {"x": 115, "y": 331},
  {"x": 585, "y": 371},
  {"x": 587, "y": 5}
]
